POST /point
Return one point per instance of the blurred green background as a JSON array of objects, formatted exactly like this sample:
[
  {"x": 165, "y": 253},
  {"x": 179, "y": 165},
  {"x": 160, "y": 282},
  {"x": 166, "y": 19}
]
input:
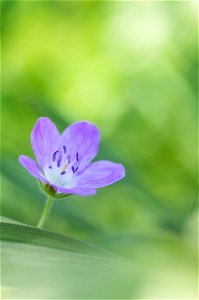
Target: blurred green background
[{"x": 130, "y": 68}]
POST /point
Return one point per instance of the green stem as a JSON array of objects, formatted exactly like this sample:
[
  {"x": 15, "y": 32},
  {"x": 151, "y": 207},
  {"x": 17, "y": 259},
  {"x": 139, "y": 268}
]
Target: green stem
[{"x": 46, "y": 211}]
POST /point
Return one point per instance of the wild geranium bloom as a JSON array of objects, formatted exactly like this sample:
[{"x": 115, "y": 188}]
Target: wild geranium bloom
[{"x": 64, "y": 161}]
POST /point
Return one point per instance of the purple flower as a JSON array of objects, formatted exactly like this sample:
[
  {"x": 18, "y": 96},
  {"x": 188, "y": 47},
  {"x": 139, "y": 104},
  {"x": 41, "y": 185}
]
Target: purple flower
[{"x": 64, "y": 161}]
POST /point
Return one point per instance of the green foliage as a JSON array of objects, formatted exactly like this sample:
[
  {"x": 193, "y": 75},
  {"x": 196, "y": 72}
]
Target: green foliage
[
  {"x": 38, "y": 262},
  {"x": 131, "y": 68}
]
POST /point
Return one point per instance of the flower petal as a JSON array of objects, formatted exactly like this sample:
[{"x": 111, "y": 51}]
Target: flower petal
[
  {"x": 99, "y": 174},
  {"x": 44, "y": 138},
  {"x": 83, "y": 138},
  {"x": 32, "y": 167},
  {"x": 83, "y": 191},
  {"x": 96, "y": 175}
]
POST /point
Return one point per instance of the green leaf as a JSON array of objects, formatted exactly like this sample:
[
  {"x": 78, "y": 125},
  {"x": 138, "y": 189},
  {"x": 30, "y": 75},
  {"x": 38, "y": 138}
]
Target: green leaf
[
  {"x": 21, "y": 233},
  {"x": 38, "y": 264}
]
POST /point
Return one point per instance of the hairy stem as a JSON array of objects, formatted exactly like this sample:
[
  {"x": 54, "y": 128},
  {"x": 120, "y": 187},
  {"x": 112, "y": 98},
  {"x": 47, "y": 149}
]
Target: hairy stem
[{"x": 46, "y": 211}]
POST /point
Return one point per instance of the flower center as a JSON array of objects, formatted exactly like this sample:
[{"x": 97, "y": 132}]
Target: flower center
[{"x": 63, "y": 164}]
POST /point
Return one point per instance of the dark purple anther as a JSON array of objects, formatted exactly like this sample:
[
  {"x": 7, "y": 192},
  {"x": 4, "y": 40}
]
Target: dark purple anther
[
  {"x": 68, "y": 159},
  {"x": 58, "y": 163},
  {"x": 74, "y": 169},
  {"x": 77, "y": 156},
  {"x": 50, "y": 167},
  {"x": 54, "y": 155},
  {"x": 62, "y": 173},
  {"x": 64, "y": 147}
]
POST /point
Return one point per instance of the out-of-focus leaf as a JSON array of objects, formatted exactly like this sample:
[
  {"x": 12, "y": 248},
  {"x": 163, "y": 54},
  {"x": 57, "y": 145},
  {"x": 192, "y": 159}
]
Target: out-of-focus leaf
[
  {"x": 20, "y": 233},
  {"x": 40, "y": 264}
]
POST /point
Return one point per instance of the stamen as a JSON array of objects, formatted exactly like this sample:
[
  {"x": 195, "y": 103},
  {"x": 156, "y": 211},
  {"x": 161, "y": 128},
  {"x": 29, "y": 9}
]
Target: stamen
[
  {"x": 64, "y": 147},
  {"x": 68, "y": 158},
  {"x": 77, "y": 156},
  {"x": 62, "y": 173},
  {"x": 50, "y": 167},
  {"x": 58, "y": 163},
  {"x": 54, "y": 155},
  {"x": 74, "y": 169}
]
